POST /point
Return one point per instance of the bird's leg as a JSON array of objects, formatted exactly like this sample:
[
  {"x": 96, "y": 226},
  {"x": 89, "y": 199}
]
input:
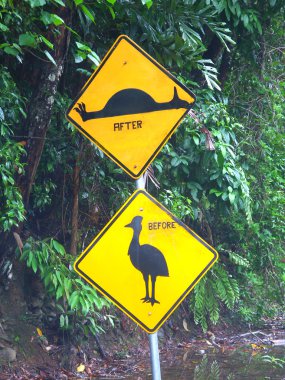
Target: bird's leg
[
  {"x": 152, "y": 300},
  {"x": 146, "y": 298}
]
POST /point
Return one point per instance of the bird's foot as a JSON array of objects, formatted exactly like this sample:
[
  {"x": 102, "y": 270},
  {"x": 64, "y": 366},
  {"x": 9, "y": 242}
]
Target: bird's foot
[
  {"x": 81, "y": 109},
  {"x": 153, "y": 301},
  {"x": 145, "y": 299}
]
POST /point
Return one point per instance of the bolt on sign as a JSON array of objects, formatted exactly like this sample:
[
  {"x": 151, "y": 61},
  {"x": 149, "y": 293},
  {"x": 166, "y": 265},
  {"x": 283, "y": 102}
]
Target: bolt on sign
[
  {"x": 130, "y": 106},
  {"x": 145, "y": 261}
]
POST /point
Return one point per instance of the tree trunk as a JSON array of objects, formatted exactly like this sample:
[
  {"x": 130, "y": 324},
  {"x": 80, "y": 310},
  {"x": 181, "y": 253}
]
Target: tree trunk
[
  {"x": 214, "y": 49},
  {"x": 224, "y": 67},
  {"x": 75, "y": 209},
  {"x": 41, "y": 105}
]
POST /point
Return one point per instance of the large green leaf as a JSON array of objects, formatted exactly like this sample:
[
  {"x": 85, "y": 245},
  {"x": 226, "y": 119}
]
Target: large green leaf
[{"x": 27, "y": 39}]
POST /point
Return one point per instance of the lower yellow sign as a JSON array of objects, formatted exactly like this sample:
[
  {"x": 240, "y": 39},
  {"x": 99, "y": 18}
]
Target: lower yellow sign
[{"x": 146, "y": 261}]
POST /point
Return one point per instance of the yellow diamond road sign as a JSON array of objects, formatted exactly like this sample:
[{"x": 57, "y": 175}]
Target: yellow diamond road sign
[
  {"x": 130, "y": 106},
  {"x": 146, "y": 261}
]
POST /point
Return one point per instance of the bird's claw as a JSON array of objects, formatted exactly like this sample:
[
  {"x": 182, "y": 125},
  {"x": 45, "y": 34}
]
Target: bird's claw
[
  {"x": 151, "y": 300},
  {"x": 145, "y": 299},
  {"x": 81, "y": 109}
]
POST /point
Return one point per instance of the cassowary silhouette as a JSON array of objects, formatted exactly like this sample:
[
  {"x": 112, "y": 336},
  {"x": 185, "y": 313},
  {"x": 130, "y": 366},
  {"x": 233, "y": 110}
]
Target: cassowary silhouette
[
  {"x": 131, "y": 101},
  {"x": 147, "y": 259}
]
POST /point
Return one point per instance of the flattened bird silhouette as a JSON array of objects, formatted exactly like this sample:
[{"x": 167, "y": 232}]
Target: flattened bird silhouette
[
  {"x": 131, "y": 101},
  {"x": 147, "y": 259}
]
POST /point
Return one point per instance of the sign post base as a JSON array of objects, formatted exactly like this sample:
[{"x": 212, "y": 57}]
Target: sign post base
[{"x": 154, "y": 354}]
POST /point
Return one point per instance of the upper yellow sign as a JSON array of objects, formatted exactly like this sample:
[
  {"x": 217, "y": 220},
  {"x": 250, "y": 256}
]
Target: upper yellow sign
[
  {"x": 130, "y": 106},
  {"x": 146, "y": 261}
]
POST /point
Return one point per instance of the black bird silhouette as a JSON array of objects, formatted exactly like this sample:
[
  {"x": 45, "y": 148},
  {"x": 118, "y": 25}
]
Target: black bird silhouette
[
  {"x": 131, "y": 101},
  {"x": 147, "y": 259}
]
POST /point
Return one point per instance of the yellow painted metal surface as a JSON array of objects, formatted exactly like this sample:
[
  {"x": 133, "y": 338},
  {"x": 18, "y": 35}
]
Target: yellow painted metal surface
[
  {"x": 130, "y": 106},
  {"x": 144, "y": 244}
]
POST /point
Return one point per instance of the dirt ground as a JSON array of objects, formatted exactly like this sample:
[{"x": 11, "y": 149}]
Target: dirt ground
[
  {"x": 30, "y": 350},
  {"x": 124, "y": 352}
]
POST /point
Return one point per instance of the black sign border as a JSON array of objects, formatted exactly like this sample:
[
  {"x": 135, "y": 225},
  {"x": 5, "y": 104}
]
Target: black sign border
[
  {"x": 160, "y": 146},
  {"x": 106, "y": 228}
]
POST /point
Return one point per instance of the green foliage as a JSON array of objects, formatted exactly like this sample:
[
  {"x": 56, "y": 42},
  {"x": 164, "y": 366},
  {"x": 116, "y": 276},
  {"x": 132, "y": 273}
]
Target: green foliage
[
  {"x": 217, "y": 286},
  {"x": 84, "y": 52},
  {"x": 176, "y": 40},
  {"x": 179, "y": 205},
  {"x": 19, "y": 34},
  {"x": 241, "y": 12},
  {"x": 263, "y": 148},
  {"x": 173, "y": 32},
  {"x": 11, "y": 111},
  {"x": 42, "y": 194},
  {"x": 210, "y": 371},
  {"x": 33, "y": 26},
  {"x": 12, "y": 209},
  {"x": 78, "y": 303},
  {"x": 209, "y": 178},
  {"x": 233, "y": 196},
  {"x": 276, "y": 362}
]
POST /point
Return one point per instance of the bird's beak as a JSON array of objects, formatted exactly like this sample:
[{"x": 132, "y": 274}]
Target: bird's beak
[{"x": 128, "y": 225}]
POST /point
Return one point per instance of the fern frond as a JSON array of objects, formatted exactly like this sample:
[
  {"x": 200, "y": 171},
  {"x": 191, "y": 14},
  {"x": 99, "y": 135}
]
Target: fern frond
[
  {"x": 200, "y": 305},
  {"x": 239, "y": 260},
  {"x": 201, "y": 370},
  {"x": 218, "y": 287},
  {"x": 215, "y": 373},
  {"x": 212, "y": 305}
]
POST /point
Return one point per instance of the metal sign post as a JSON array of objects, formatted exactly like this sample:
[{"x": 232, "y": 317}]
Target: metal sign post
[
  {"x": 154, "y": 354},
  {"x": 153, "y": 340}
]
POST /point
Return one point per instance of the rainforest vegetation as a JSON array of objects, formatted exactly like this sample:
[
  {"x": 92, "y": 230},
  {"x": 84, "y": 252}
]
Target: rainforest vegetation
[{"x": 221, "y": 173}]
